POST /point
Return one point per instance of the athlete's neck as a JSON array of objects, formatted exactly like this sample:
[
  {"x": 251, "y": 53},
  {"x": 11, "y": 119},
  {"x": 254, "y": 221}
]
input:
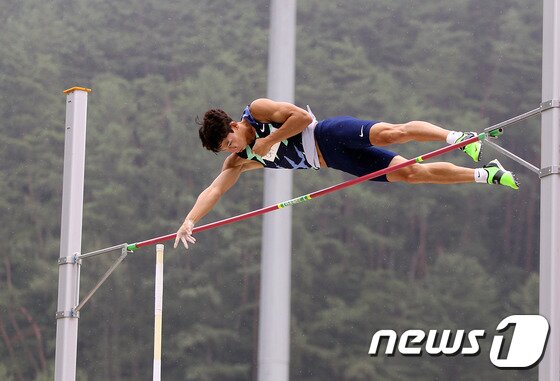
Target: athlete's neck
[{"x": 248, "y": 131}]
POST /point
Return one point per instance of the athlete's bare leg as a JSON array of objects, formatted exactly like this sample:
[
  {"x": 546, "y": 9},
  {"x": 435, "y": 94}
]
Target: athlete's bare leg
[
  {"x": 382, "y": 133},
  {"x": 434, "y": 173}
]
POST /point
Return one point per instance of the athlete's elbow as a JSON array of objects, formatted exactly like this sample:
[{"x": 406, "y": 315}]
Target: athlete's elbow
[{"x": 306, "y": 118}]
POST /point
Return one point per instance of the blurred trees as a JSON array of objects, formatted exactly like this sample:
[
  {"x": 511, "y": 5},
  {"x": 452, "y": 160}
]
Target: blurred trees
[{"x": 371, "y": 257}]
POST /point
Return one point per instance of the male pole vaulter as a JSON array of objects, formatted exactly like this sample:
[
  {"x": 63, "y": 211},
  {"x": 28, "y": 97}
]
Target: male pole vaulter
[{"x": 281, "y": 135}]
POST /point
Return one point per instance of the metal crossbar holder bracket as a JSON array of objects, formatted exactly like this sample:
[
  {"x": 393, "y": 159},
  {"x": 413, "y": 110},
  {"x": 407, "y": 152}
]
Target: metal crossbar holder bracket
[
  {"x": 72, "y": 260},
  {"x": 553, "y": 169},
  {"x": 68, "y": 314},
  {"x": 102, "y": 251},
  {"x": 515, "y": 119},
  {"x": 553, "y": 103}
]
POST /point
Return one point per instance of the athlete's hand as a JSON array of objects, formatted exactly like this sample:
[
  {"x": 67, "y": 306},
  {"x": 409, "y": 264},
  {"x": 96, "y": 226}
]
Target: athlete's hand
[
  {"x": 184, "y": 234},
  {"x": 262, "y": 147}
]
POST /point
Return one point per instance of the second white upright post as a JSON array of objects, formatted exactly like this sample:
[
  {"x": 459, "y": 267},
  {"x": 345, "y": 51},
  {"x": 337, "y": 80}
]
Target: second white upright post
[{"x": 158, "y": 310}]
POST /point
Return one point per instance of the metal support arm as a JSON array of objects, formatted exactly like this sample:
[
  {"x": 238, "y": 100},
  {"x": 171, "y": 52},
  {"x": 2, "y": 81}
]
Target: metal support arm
[
  {"x": 512, "y": 156},
  {"x": 553, "y": 103},
  {"x": 102, "y": 280}
]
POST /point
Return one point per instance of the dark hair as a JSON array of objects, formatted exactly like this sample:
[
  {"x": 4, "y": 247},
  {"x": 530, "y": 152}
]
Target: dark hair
[{"x": 214, "y": 129}]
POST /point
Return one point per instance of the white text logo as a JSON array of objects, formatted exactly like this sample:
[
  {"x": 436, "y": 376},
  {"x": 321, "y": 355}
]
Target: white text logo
[{"x": 526, "y": 349}]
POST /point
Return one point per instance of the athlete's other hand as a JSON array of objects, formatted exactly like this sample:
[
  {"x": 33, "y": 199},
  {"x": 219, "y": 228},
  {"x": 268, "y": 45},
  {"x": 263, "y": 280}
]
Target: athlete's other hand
[
  {"x": 184, "y": 234},
  {"x": 261, "y": 147}
]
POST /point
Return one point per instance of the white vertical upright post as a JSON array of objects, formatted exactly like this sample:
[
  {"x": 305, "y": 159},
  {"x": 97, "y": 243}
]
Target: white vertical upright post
[
  {"x": 70, "y": 234},
  {"x": 274, "y": 319},
  {"x": 549, "y": 295},
  {"x": 158, "y": 312}
]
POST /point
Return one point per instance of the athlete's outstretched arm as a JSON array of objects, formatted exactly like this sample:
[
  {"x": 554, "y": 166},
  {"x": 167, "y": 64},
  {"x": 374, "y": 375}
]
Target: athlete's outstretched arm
[
  {"x": 208, "y": 198},
  {"x": 293, "y": 119}
]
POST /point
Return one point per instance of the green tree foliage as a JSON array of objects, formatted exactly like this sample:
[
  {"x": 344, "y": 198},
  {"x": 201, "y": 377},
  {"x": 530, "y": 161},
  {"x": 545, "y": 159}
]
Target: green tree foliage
[{"x": 375, "y": 256}]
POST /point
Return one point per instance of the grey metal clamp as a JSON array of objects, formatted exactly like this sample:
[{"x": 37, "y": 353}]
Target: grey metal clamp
[
  {"x": 68, "y": 314},
  {"x": 552, "y": 170},
  {"x": 71, "y": 260},
  {"x": 547, "y": 105}
]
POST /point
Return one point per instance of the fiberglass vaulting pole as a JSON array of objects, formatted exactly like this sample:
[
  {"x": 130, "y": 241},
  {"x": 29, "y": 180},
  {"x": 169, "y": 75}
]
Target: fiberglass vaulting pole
[
  {"x": 549, "y": 294},
  {"x": 71, "y": 234},
  {"x": 274, "y": 312}
]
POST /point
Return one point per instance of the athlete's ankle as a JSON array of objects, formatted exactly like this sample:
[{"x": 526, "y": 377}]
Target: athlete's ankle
[
  {"x": 480, "y": 175},
  {"x": 453, "y": 136}
]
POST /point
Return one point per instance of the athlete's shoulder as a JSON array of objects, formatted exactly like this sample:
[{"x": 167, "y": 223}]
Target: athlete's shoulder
[
  {"x": 260, "y": 108},
  {"x": 266, "y": 110},
  {"x": 258, "y": 111},
  {"x": 261, "y": 102}
]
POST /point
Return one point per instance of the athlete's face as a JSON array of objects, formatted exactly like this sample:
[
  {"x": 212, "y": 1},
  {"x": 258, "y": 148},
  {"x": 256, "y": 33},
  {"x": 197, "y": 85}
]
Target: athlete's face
[{"x": 235, "y": 141}]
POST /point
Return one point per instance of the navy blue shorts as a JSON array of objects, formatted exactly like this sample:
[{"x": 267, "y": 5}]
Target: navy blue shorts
[{"x": 344, "y": 143}]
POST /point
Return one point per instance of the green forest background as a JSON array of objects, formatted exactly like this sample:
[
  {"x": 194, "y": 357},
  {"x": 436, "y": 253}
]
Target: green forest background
[{"x": 375, "y": 256}]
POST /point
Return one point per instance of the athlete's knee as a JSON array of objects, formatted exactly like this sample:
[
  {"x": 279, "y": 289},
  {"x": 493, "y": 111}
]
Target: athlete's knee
[
  {"x": 382, "y": 134},
  {"x": 412, "y": 174}
]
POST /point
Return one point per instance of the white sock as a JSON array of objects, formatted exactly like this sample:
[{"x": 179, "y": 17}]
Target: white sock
[
  {"x": 453, "y": 136},
  {"x": 480, "y": 175}
]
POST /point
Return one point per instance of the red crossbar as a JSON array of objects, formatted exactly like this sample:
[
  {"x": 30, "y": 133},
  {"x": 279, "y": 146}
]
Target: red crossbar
[{"x": 313, "y": 195}]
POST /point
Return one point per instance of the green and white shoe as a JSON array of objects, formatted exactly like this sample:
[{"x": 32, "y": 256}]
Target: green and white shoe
[
  {"x": 473, "y": 149},
  {"x": 499, "y": 175}
]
